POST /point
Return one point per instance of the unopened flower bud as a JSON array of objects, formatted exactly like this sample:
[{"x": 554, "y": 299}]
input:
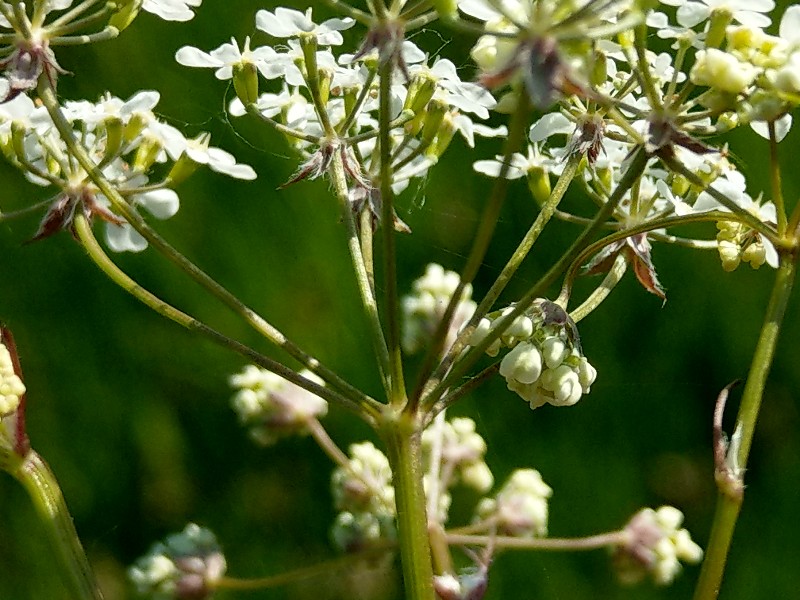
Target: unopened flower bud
[
  {"x": 522, "y": 364},
  {"x": 245, "y": 81},
  {"x": 722, "y": 71},
  {"x": 720, "y": 18},
  {"x": 539, "y": 183},
  {"x": 554, "y": 351},
  {"x": 127, "y": 11},
  {"x": 11, "y": 386}
]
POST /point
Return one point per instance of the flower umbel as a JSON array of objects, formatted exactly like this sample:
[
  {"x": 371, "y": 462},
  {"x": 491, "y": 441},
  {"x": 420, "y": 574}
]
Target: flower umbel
[{"x": 186, "y": 566}]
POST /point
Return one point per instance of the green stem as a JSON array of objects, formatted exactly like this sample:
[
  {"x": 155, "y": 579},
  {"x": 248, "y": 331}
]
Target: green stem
[
  {"x": 362, "y": 405},
  {"x": 596, "y": 298},
  {"x": 40, "y": 483},
  {"x": 392, "y": 305},
  {"x": 256, "y": 321},
  {"x": 775, "y": 179},
  {"x": 731, "y": 496},
  {"x": 363, "y": 278},
  {"x": 403, "y": 435},
  {"x": 602, "y": 540}
]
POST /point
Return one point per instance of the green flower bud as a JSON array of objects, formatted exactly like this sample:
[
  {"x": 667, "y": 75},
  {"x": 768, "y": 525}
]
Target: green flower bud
[
  {"x": 245, "y": 81},
  {"x": 447, "y": 9},
  {"x": 598, "y": 74},
  {"x": 539, "y": 184},
  {"x": 721, "y": 17},
  {"x": 114, "y": 131},
  {"x": 146, "y": 155},
  {"x": 324, "y": 77},
  {"x": 127, "y": 11},
  {"x": 434, "y": 121}
]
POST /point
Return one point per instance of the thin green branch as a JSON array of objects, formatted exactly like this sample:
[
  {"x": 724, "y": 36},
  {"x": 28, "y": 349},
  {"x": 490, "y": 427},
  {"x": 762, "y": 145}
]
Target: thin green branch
[
  {"x": 365, "y": 284},
  {"x": 595, "y": 542},
  {"x": 775, "y": 179},
  {"x": 256, "y": 321},
  {"x": 596, "y": 298},
  {"x": 363, "y": 406}
]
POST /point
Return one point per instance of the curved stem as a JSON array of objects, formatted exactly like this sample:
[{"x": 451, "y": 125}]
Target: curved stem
[
  {"x": 40, "y": 483},
  {"x": 596, "y": 298},
  {"x": 731, "y": 492},
  {"x": 256, "y": 321},
  {"x": 363, "y": 405}
]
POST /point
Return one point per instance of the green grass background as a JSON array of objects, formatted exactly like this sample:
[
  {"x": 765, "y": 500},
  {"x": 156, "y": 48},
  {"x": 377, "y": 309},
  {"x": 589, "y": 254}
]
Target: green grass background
[{"x": 133, "y": 413}]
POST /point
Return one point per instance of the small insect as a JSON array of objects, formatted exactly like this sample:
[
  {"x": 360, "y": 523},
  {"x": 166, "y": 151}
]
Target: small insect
[{"x": 552, "y": 314}]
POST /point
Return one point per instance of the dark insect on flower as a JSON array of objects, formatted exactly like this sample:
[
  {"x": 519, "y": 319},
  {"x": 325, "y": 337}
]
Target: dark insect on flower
[{"x": 551, "y": 313}]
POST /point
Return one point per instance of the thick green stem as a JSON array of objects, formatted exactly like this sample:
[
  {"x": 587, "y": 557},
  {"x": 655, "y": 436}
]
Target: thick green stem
[
  {"x": 730, "y": 496},
  {"x": 40, "y": 483},
  {"x": 403, "y": 436}
]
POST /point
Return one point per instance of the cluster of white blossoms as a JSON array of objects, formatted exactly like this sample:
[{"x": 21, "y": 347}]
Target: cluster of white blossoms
[
  {"x": 272, "y": 407},
  {"x": 655, "y": 544},
  {"x": 325, "y": 101},
  {"x": 519, "y": 509},
  {"x": 186, "y": 565},
  {"x": 364, "y": 495},
  {"x": 130, "y": 145},
  {"x": 11, "y": 386},
  {"x": 424, "y": 308},
  {"x": 546, "y": 363},
  {"x": 453, "y": 453}
]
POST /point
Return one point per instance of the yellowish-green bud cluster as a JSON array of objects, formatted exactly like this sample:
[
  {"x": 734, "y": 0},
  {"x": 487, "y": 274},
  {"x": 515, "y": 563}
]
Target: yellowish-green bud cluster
[
  {"x": 738, "y": 243},
  {"x": 11, "y": 386}
]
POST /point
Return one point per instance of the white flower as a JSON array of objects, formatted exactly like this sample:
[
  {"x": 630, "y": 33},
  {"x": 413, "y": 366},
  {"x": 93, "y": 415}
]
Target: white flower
[
  {"x": 365, "y": 486},
  {"x": 746, "y": 12},
  {"x": 217, "y": 159},
  {"x": 162, "y": 204},
  {"x": 290, "y": 23},
  {"x": 172, "y": 10},
  {"x": 227, "y": 56}
]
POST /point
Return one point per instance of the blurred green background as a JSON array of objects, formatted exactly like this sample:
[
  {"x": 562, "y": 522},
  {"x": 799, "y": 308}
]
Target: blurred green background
[{"x": 133, "y": 414}]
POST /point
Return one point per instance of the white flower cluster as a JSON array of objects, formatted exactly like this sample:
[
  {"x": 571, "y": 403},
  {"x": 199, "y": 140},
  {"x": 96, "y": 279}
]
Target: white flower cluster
[
  {"x": 186, "y": 565},
  {"x": 272, "y": 407},
  {"x": 330, "y": 104},
  {"x": 763, "y": 68},
  {"x": 453, "y": 452},
  {"x": 655, "y": 545},
  {"x": 423, "y": 309},
  {"x": 11, "y": 386},
  {"x": 545, "y": 364},
  {"x": 519, "y": 509},
  {"x": 130, "y": 145},
  {"x": 364, "y": 495}
]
